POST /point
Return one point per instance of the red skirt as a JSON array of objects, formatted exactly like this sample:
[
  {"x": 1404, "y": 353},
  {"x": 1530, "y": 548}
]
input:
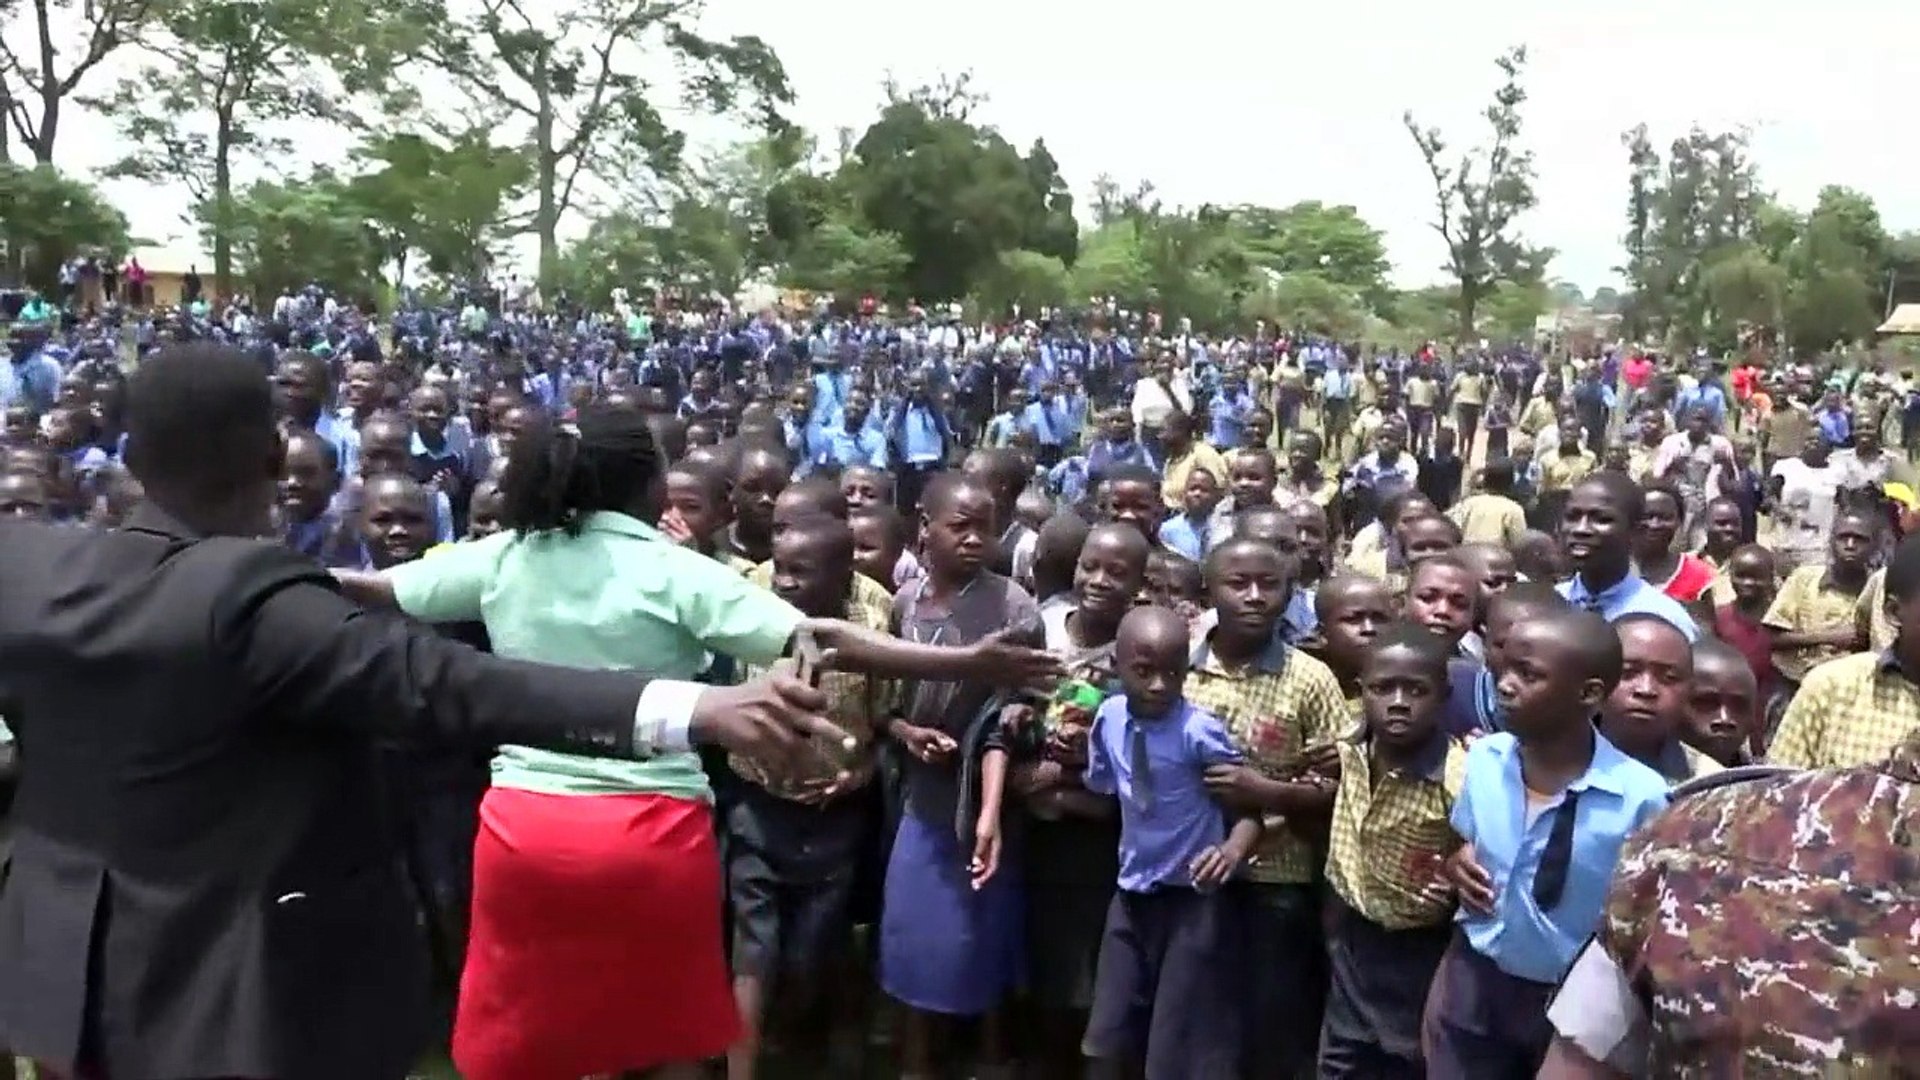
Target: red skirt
[{"x": 596, "y": 941}]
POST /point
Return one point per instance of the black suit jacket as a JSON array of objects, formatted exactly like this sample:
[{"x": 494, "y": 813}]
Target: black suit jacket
[{"x": 204, "y": 880}]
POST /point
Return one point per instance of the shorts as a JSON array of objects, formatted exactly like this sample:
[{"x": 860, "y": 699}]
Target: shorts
[
  {"x": 1164, "y": 992},
  {"x": 791, "y": 876}
]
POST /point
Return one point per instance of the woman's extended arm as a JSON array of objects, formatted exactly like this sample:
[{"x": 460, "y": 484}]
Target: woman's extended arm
[
  {"x": 997, "y": 658},
  {"x": 368, "y": 588}
]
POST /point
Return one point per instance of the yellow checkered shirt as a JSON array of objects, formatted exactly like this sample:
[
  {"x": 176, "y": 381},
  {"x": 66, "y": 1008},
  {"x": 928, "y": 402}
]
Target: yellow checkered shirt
[
  {"x": 1807, "y": 601},
  {"x": 1390, "y": 833},
  {"x": 1849, "y": 712},
  {"x": 1275, "y": 709},
  {"x": 857, "y": 703}
]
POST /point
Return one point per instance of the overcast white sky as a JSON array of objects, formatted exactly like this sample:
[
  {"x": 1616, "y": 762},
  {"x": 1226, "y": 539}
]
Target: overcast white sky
[{"x": 1221, "y": 101}]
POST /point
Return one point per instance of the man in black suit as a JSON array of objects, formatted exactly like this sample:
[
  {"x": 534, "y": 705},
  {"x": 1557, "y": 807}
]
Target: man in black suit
[{"x": 202, "y": 882}]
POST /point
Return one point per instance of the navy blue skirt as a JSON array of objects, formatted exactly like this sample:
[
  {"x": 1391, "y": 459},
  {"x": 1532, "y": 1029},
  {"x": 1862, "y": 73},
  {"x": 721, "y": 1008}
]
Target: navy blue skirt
[{"x": 945, "y": 948}]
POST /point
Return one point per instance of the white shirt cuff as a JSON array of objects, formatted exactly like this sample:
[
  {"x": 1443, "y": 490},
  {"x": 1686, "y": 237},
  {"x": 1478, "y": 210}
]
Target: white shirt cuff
[{"x": 663, "y": 717}]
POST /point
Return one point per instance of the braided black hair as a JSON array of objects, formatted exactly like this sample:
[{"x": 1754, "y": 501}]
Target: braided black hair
[{"x": 560, "y": 472}]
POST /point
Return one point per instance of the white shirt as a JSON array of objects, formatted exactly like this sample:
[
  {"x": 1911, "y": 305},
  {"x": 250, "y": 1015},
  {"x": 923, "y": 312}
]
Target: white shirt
[
  {"x": 1152, "y": 403},
  {"x": 1805, "y": 514}
]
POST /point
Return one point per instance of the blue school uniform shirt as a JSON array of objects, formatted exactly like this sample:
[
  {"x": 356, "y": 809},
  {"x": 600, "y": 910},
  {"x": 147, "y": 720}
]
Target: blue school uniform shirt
[
  {"x": 1631, "y": 595},
  {"x": 1187, "y": 536},
  {"x": 1229, "y": 417},
  {"x": 1617, "y": 796},
  {"x": 1103, "y": 455},
  {"x": 1070, "y": 479},
  {"x": 845, "y": 449},
  {"x": 1167, "y": 822},
  {"x": 33, "y": 381}
]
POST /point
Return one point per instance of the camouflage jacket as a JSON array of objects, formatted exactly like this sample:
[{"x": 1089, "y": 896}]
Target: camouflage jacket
[{"x": 1768, "y": 928}]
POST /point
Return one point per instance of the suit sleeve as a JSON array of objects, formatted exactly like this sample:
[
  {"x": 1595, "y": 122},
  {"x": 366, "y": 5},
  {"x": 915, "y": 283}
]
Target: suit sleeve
[{"x": 312, "y": 658}]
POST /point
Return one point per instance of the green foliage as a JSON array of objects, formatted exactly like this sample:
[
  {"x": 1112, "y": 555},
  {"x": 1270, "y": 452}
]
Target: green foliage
[
  {"x": 1026, "y": 280},
  {"x": 848, "y": 261},
  {"x": 446, "y": 202},
  {"x": 46, "y": 217},
  {"x": 221, "y": 76},
  {"x": 1480, "y": 197},
  {"x": 285, "y": 235},
  {"x": 1713, "y": 259},
  {"x": 1310, "y": 300},
  {"x": 956, "y": 194},
  {"x": 616, "y": 252},
  {"x": 568, "y": 75}
]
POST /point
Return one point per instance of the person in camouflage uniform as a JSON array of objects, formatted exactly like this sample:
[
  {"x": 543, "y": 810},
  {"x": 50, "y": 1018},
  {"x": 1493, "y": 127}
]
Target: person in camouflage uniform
[{"x": 1767, "y": 925}]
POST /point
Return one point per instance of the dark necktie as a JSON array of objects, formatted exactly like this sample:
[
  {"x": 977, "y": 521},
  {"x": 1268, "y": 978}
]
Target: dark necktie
[
  {"x": 1556, "y": 859},
  {"x": 1140, "y": 764}
]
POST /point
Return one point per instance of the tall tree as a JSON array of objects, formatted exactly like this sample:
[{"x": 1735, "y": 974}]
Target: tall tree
[
  {"x": 285, "y": 235},
  {"x": 222, "y": 74},
  {"x": 443, "y": 200},
  {"x": 44, "y": 62},
  {"x": 1480, "y": 197},
  {"x": 47, "y": 217},
  {"x": 954, "y": 192},
  {"x": 564, "y": 72}
]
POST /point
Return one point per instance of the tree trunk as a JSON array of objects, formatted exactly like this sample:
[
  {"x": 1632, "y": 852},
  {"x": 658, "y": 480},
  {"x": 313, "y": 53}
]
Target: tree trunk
[
  {"x": 547, "y": 215},
  {"x": 1469, "y": 307},
  {"x": 49, "y": 127},
  {"x": 223, "y": 205}
]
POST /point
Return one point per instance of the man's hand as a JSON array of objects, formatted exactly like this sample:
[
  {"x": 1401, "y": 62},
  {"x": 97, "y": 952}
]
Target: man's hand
[
  {"x": 1237, "y": 787},
  {"x": 1000, "y": 662},
  {"x": 986, "y": 851},
  {"x": 771, "y": 721}
]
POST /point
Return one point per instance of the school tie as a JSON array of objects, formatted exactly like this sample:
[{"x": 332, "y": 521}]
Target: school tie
[
  {"x": 1550, "y": 881},
  {"x": 1140, "y": 764}
]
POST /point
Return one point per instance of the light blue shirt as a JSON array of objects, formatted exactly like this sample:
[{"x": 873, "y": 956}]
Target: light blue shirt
[
  {"x": 34, "y": 382},
  {"x": 848, "y": 448},
  {"x": 1617, "y": 796},
  {"x": 1160, "y": 836},
  {"x": 1188, "y": 537},
  {"x": 1630, "y": 595}
]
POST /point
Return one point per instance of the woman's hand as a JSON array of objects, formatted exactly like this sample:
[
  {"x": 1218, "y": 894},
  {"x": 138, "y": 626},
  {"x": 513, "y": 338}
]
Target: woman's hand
[{"x": 1001, "y": 662}]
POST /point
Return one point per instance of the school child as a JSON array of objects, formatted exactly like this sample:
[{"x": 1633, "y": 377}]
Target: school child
[
  {"x": 1275, "y": 527},
  {"x": 1032, "y": 509},
  {"x": 310, "y": 522},
  {"x": 1723, "y": 710},
  {"x": 1176, "y": 583},
  {"x": 1004, "y": 473},
  {"x": 1544, "y": 810},
  {"x": 70, "y": 434},
  {"x": 698, "y": 511},
  {"x": 1190, "y": 531},
  {"x": 1251, "y": 479},
  {"x": 483, "y": 512},
  {"x": 947, "y": 948},
  {"x": 1353, "y": 608},
  {"x": 1473, "y": 701},
  {"x": 1056, "y": 557},
  {"x": 395, "y": 521},
  {"x": 1646, "y": 715},
  {"x": 1072, "y": 836},
  {"x": 1443, "y": 597},
  {"x": 1537, "y": 557},
  {"x": 23, "y": 494},
  {"x": 436, "y": 457},
  {"x": 386, "y": 446},
  {"x": 1163, "y": 1001},
  {"x": 1130, "y": 494},
  {"x": 1375, "y": 549},
  {"x": 880, "y": 546},
  {"x": 1283, "y": 710},
  {"x": 1499, "y": 424},
  {"x": 793, "y": 841},
  {"x": 19, "y": 426},
  {"x": 759, "y": 474},
  {"x": 1390, "y": 910},
  {"x": 1491, "y": 515},
  {"x": 1442, "y": 472},
  {"x": 703, "y": 431},
  {"x": 1495, "y": 566},
  {"x": 1815, "y": 616},
  {"x": 864, "y": 486}
]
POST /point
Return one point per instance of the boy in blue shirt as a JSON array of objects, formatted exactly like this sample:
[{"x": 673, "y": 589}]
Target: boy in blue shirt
[
  {"x": 1163, "y": 991},
  {"x": 1544, "y": 810}
]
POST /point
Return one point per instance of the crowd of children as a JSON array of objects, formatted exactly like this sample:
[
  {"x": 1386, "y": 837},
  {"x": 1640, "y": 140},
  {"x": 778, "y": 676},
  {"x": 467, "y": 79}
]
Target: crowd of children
[{"x": 1356, "y": 715}]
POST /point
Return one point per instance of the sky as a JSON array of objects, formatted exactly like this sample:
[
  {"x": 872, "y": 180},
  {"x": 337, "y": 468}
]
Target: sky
[{"x": 1239, "y": 102}]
